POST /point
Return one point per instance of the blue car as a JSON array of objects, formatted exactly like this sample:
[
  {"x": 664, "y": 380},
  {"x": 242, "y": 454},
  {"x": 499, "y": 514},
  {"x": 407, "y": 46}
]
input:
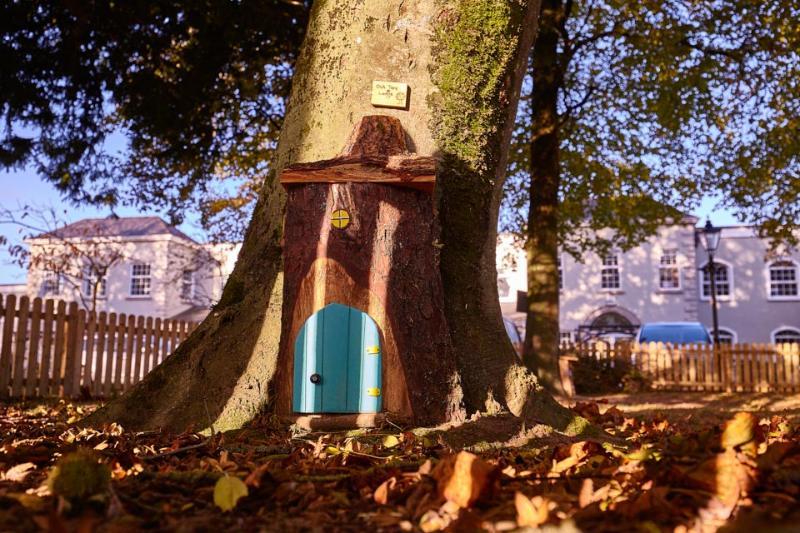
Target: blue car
[{"x": 674, "y": 333}]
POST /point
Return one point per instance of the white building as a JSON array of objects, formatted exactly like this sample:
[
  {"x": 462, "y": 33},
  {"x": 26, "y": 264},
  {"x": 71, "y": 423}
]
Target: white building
[
  {"x": 151, "y": 268},
  {"x": 665, "y": 279},
  {"x": 132, "y": 265}
]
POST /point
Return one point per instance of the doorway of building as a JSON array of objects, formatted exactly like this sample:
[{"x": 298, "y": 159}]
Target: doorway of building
[{"x": 337, "y": 363}]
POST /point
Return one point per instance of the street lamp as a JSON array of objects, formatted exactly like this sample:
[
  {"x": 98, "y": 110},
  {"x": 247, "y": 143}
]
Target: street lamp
[{"x": 711, "y": 241}]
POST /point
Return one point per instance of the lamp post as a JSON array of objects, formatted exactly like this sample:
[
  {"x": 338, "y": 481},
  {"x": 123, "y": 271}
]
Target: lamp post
[{"x": 711, "y": 241}]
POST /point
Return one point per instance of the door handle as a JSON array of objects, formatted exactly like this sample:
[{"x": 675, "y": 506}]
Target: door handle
[{"x": 316, "y": 379}]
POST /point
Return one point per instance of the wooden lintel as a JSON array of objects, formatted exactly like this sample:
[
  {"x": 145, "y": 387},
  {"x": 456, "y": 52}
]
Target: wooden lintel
[{"x": 375, "y": 153}]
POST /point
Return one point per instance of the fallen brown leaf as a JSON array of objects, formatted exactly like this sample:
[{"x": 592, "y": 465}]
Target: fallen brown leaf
[
  {"x": 464, "y": 478},
  {"x": 531, "y": 512}
]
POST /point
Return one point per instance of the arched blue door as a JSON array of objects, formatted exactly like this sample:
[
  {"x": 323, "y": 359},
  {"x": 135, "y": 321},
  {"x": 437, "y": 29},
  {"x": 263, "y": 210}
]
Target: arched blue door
[{"x": 337, "y": 363}]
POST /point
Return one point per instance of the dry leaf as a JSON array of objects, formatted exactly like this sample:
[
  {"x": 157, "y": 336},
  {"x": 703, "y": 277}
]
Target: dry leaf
[
  {"x": 741, "y": 431},
  {"x": 726, "y": 477},
  {"x": 464, "y": 478},
  {"x": 586, "y": 495},
  {"x": 390, "y": 441},
  {"x": 18, "y": 472},
  {"x": 531, "y": 512},
  {"x": 381, "y": 494},
  {"x": 432, "y": 521},
  {"x": 576, "y": 453},
  {"x": 228, "y": 491}
]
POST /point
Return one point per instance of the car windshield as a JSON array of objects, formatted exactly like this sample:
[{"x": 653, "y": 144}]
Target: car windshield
[{"x": 674, "y": 333}]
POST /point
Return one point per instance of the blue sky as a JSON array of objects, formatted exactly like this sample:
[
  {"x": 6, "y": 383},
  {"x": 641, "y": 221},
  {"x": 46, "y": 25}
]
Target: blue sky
[{"x": 26, "y": 188}]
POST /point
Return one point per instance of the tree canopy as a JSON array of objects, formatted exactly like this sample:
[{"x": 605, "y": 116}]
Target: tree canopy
[
  {"x": 662, "y": 103},
  {"x": 196, "y": 90}
]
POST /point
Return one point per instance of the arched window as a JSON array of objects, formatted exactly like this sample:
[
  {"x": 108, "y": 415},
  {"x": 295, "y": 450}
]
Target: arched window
[
  {"x": 727, "y": 336},
  {"x": 786, "y": 336},
  {"x": 611, "y": 319},
  {"x": 783, "y": 280},
  {"x": 723, "y": 280}
]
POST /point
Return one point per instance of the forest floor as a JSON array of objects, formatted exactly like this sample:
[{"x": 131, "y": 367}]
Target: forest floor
[{"x": 678, "y": 462}]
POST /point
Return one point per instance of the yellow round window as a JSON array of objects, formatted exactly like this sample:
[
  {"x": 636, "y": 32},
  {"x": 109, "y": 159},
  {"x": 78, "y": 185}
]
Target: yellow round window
[{"x": 340, "y": 219}]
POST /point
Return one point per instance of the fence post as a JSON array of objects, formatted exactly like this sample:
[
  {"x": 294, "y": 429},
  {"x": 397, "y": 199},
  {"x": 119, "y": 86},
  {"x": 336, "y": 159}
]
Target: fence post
[
  {"x": 47, "y": 348},
  {"x": 780, "y": 368},
  {"x": 91, "y": 327},
  {"x": 108, "y": 366},
  {"x": 119, "y": 360},
  {"x": 99, "y": 360},
  {"x": 19, "y": 351},
  {"x": 156, "y": 341},
  {"x": 33, "y": 351},
  {"x": 174, "y": 336},
  {"x": 148, "y": 349},
  {"x": 77, "y": 353},
  {"x": 727, "y": 357},
  {"x": 138, "y": 350},
  {"x": 60, "y": 353},
  {"x": 5, "y": 349},
  {"x": 129, "y": 354}
]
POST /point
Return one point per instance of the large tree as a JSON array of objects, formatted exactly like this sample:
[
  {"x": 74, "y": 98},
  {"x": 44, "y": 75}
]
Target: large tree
[
  {"x": 464, "y": 61},
  {"x": 634, "y": 109}
]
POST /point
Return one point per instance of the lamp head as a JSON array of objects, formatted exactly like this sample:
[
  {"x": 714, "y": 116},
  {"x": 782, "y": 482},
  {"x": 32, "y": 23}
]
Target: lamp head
[{"x": 711, "y": 237}]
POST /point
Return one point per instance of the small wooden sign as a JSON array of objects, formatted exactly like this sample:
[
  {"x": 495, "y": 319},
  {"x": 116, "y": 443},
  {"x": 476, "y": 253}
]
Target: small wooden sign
[{"x": 390, "y": 94}]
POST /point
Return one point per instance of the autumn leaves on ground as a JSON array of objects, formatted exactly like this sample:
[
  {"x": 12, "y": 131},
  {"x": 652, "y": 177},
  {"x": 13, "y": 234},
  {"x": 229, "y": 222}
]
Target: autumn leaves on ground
[{"x": 666, "y": 471}]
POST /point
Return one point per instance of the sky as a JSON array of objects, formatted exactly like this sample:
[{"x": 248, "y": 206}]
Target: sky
[
  {"x": 26, "y": 188},
  {"x": 22, "y": 188}
]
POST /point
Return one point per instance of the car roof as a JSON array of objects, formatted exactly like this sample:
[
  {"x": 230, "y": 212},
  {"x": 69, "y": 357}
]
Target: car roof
[{"x": 672, "y": 324}]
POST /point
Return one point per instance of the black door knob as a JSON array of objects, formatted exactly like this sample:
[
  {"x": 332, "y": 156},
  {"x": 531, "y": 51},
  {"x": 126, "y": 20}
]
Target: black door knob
[{"x": 316, "y": 378}]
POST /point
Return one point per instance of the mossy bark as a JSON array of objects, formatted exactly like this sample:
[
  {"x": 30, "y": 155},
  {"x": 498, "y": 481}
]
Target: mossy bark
[{"x": 463, "y": 61}]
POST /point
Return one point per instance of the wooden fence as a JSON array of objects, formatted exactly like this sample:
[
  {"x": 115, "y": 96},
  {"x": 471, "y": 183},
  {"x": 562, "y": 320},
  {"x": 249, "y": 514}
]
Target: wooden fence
[
  {"x": 728, "y": 368},
  {"x": 51, "y": 348}
]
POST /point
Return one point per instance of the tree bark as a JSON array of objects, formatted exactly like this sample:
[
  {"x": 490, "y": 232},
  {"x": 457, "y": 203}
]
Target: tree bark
[
  {"x": 464, "y": 61},
  {"x": 542, "y": 325}
]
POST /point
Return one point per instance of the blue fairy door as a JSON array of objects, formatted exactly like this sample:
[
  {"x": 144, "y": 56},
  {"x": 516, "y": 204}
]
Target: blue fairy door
[{"x": 337, "y": 363}]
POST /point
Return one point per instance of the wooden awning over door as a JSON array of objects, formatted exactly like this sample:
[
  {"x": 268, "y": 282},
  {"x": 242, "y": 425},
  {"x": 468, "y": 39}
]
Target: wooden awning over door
[{"x": 377, "y": 152}]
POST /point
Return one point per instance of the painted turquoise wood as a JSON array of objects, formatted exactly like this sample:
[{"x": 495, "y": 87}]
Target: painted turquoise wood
[{"x": 338, "y": 343}]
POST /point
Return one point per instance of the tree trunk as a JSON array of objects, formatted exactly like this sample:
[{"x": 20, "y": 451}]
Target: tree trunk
[
  {"x": 464, "y": 62},
  {"x": 542, "y": 327}
]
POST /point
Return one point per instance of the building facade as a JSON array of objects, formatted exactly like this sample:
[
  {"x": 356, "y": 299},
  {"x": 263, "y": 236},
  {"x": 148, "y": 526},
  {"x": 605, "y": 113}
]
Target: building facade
[
  {"x": 132, "y": 265},
  {"x": 143, "y": 266},
  {"x": 666, "y": 279}
]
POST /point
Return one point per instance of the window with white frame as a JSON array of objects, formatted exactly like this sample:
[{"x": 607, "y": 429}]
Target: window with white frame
[
  {"x": 140, "y": 279},
  {"x": 565, "y": 338},
  {"x": 51, "y": 284},
  {"x": 786, "y": 336},
  {"x": 559, "y": 265},
  {"x": 90, "y": 281},
  {"x": 609, "y": 275},
  {"x": 726, "y": 336},
  {"x": 669, "y": 276},
  {"x": 722, "y": 280},
  {"x": 783, "y": 280},
  {"x": 187, "y": 285}
]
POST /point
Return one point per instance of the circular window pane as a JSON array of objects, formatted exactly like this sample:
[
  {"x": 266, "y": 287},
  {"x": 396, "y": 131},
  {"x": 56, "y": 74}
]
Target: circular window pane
[{"x": 340, "y": 219}]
